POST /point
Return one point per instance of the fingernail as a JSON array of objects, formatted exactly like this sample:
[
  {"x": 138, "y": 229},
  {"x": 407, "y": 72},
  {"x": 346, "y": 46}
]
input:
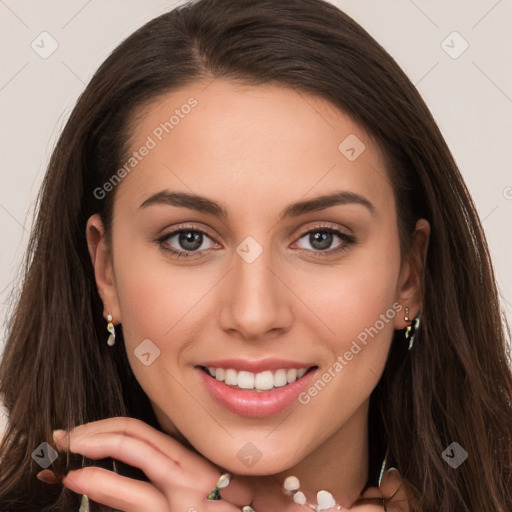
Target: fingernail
[
  {"x": 59, "y": 435},
  {"x": 47, "y": 477}
]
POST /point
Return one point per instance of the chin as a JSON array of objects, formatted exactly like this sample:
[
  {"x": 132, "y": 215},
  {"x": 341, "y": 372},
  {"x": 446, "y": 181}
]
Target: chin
[{"x": 254, "y": 464}]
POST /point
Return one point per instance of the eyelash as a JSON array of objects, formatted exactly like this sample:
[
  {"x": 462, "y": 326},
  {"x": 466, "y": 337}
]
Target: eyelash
[{"x": 347, "y": 240}]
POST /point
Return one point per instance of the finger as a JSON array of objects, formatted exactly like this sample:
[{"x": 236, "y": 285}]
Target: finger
[
  {"x": 367, "y": 508},
  {"x": 194, "y": 463},
  {"x": 140, "y": 430},
  {"x": 237, "y": 492},
  {"x": 187, "y": 500},
  {"x": 116, "y": 491},
  {"x": 159, "y": 468},
  {"x": 394, "y": 491},
  {"x": 129, "y": 495},
  {"x": 371, "y": 500}
]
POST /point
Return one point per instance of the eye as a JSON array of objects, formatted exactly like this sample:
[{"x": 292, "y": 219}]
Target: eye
[
  {"x": 322, "y": 238},
  {"x": 186, "y": 241}
]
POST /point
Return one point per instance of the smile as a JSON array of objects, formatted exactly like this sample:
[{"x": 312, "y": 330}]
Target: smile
[
  {"x": 263, "y": 381},
  {"x": 255, "y": 389}
]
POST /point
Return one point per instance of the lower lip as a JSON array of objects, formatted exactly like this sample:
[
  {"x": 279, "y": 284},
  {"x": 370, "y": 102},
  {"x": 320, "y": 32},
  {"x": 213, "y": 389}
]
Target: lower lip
[{"x": 252, "y": 403}]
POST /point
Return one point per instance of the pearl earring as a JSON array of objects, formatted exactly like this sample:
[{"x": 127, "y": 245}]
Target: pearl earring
[{"x": 111, "y": 329}]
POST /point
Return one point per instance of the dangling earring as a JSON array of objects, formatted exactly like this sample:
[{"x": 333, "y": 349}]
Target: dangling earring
[
  {"x": 410, "y": 330},
  {"x": 111, "y": 329},
  {"x": 383, "y": 466}
]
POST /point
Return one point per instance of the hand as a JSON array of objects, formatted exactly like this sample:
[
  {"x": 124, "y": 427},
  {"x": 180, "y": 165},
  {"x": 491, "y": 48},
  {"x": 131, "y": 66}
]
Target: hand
[
  {"x": 180, "y": 480},
  {"x": 392, "y": 490}
]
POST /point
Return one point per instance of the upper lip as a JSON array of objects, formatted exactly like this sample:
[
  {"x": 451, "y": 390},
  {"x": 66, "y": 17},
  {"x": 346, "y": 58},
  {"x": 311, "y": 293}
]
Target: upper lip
[{"x": 261, "y": 365}]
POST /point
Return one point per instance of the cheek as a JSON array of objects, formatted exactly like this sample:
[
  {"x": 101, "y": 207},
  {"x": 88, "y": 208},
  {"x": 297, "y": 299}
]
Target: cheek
[
  {"x": 157, "y": 303},
  {"x": 161, "y": 302},
  {"x": 351, "y": 296},
  {"x": 357, "y": 302},
  {"x": 153, "y": 294}
]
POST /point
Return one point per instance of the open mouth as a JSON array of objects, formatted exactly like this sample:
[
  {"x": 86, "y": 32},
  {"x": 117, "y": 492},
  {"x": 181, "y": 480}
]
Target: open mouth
[{"x": 258, "y": 382}]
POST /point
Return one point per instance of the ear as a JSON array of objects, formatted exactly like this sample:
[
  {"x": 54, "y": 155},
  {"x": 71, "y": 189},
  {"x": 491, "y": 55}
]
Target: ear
[
  {"x": 101, "y": 258},
  {"x": 411, "y": 274}
]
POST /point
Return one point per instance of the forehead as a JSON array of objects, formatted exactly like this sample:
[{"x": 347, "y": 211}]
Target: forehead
[{"x": 245, "y": 142}]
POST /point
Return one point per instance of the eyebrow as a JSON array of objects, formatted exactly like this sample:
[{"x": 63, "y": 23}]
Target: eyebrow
[{"x": 205, "y": 205}]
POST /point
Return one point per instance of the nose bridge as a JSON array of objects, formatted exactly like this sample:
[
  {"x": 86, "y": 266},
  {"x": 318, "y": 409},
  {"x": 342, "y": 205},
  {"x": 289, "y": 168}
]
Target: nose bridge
[{"x": 254, "y": 304}]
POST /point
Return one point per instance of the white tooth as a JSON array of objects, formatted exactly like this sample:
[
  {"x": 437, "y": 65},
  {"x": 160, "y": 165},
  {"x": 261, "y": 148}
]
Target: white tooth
[
  {"x": 280, "y": 378},
  {"x": 245, "y": 380},
  {"x": 230, "y": 377},
  {"x": 291, "y": 375},
  {"x": 301, "y": 372},
  {"x": 264, "y": 380},
  {"x": 211, "y": 369},
  {"x": 220, "y": 374}
]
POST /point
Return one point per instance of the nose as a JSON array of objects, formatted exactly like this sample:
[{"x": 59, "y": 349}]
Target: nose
[{"x": 256, "y": 304}]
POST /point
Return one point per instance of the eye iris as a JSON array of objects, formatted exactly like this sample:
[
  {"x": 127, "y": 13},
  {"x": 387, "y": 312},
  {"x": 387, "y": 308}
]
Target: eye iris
[
  {"x": 320, "y": 240},
  {"x": 190, "y": 240}
]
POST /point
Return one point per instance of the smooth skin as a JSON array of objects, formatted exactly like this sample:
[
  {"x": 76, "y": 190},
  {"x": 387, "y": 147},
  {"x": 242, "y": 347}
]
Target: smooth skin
[
  {"x": 180, "y": 479},
  {"x": 254, "y": 151}
]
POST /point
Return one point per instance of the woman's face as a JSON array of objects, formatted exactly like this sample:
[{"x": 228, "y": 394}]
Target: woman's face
[{"x": 266, "y": 278}]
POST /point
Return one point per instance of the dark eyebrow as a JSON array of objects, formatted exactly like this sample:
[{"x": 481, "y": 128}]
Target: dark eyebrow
[
  {"x": 191, "y": 201},
  {"x": 204, "y": 205},
  {"x": 326, "y": 201}
]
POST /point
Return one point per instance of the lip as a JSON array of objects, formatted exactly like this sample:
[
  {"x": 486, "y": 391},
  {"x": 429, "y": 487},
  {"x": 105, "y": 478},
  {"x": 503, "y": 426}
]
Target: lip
[
  {"x": 254, "y": 404},
  {"x": 261, "y": 365}
]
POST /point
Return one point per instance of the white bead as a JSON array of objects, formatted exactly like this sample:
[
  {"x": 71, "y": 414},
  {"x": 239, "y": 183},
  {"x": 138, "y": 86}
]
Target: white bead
[
  {"x": 299, "y": 498},
  {"x": 291, "y": 483},
  {"x": 325, "y": 500},
  {"x": 224, "y": 481}
]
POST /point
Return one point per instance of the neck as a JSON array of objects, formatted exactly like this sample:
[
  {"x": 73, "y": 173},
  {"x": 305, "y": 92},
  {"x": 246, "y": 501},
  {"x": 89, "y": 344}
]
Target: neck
[{"x": 339, "y": 465}]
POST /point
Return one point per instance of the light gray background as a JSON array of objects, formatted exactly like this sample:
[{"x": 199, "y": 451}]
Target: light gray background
[{"x": 470, "y": 96}]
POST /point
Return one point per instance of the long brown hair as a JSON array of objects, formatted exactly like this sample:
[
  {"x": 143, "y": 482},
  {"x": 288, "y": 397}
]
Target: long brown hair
[{"x": 455, "y": 385}]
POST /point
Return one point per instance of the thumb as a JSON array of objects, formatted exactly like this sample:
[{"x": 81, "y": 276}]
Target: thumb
[
  {"x": 394, "y": 492},
  {"x": 390, "y": 496}
]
